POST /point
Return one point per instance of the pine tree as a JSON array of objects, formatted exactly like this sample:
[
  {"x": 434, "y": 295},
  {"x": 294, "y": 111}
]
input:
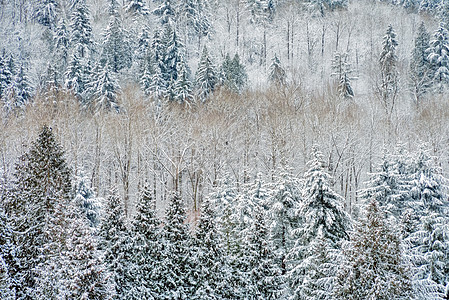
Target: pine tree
[
  {"x": 105, "y": 90},
  {"x": 86, "y": 200},
  {"x": 439, "y": 57},
  {"x": 208, "y": 257},
  {"x": 22, "y": 88},
  {"x": 283, "y": 220},
  {"x": 116, "y": 48},
  {"x": 342, "y": 73},
  {"x": 176, "y": 257},
  {"x": 146, "y": 249},
  {"x": 183, "y": 85},
  {"x": 115, "y": 243},
  {"x": 165, "y": 11},
  {"x": 81, "y": 38},
  {"x": 206, "y": 76},
  {"x": 324, "y": 218},
  {"x": 373, "y": 266},
  {"x": 234, "y": 74},
  {"x": 420, "y": 67},
  {"x": 137, "y": 7},
  {"x": 86, "y": 274},
  {"x": 42, "y": 184},
  {"x": 47, "y": 12},
  {"x": 389, "y": 74},
  {"x": 277, "y": 74},
  {"x": 428, "y": 254}
]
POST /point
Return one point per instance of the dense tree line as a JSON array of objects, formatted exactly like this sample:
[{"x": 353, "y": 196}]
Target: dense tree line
[{"x": 286, "y": 239}]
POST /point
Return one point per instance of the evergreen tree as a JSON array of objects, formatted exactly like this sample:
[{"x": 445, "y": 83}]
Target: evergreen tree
[
  {"x": 183, "y": 85},
  {"x": 115, "y": 243},
  {"x": 116, "y": 48},
  {"x": 6, "y": 75},
  {"x": 206, "y": 76},
  {"x": 42, "y": 182},
  {"x": 22, "y": 88},
  {"x": 172, "y": 55},
  {"x": 165, "y": 11},
  {"x": 87, "y": 201},
  {"x": 283, "y": 220},
  {"x": 76, "y": 77},
  {"x": 81, "y": 38},
  {"x": 47, "y": 12},
  {"x": 105, "y": 89},
  {"x": 323, "y": 217},
  {"x": 7, "y": 257},
  {"x": 428, "y": 254},
  {"x": 146, "y": 249},
  {"x": 420, "y": 67},
  {"x": 208, "y": 257},
  {"x": 388, "y": 69},
  {"x": 195, "y": 14},
  {"x": 61, "y": 41},
  {"x": 234, "y": 74},
  {"x": 137, "y": 7},
  {"x": 342, "y": 73},
  {"x": 277, "y": 74},
  {"x": 176, "y": 259},
  {"x": 86, "y": 277},
  {"x": 373, "y": 266},
  {"x": 439, "y": 57}
]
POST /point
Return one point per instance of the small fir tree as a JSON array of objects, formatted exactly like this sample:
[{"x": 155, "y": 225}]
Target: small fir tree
[
  {"x": 206, "y": 76},
  {"x": 277, "y": 73}
]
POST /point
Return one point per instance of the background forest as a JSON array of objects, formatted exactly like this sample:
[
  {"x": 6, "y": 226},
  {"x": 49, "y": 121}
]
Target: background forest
[{"x": 241, "y": 149}]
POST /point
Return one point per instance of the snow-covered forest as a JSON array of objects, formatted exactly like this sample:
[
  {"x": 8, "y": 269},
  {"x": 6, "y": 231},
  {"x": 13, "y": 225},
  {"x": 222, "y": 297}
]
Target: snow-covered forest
[{"x": 224, "y": 149}]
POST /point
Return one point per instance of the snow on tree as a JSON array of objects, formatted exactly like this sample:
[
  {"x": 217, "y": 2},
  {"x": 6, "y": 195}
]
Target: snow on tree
[
  {"x": 264, "y": 271},
  {"x": 208, "y": 257},
  {"x": 61, "y": 42},
  {"x": 183, "y": 86},
  {"x": 341, "y": 71},
  {"x": 86, "y": 276},
  {"x": 428, "y": 253},
  {"x": 146, "y": 249},
  {"x": 388, "y": 61},
  {"x": 81, "y": 38},
  {"x": 176, "y": 254},
  {"x": 206, "y": 76},
  {"x": 6, "y": 74},
  {"x": 47, "y": 12},
  {"x": 22, "y": 88},
  {"x": 234, "y": 74},
  {"x": 282, "y": 218},
  {"x": 76, "y": 76},
  {"x": 86, "y": 199},
  {"x": 165, "y": 11},
  {"x": 322, "y": 216},
  {"x": 277, "y": 73},
  {"x": 7, "y": 256},
  {"x": 115, "y": 244},
  {"x": 390, "y": 184},
  {"x": 429, "y": 188},
  {"x": 439, "y": 57},
  {"x": 420, "y": 67},
  {"x": 105, "y": 90},
  {"x": 373, "y": 266},
  {"x": 42, "y": 184},
  {"x": 172, "y": 55},
  {"x": 137, "y": 7},
  {"x": 116, "y": 47},
  {"x": 196, "y": 16}
]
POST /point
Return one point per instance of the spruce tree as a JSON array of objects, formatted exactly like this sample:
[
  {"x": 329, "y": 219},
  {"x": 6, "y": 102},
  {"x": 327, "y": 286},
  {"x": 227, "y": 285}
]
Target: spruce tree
[
  {"x": 439, "y": 57},
  {"x": 116, "y": 47},
  {"x": 342, "y": 73},
  {"x": 47, "y": 12},
  {"x": 176, "y": 253},
  {"x": 115, "y": 244},
  {"x": 165, "y": 11},
  {"x": 373, "y": 266},
  {"x": 208, "y": 257},
  {"x": 206, "y": 76},
  {"x": 42, "y": 183},
  {"x": 105, "y": 90},
  {"x": 277, "y": 74},
  {"x": 87, "y": 200},
  {"x": 183, "y": 85},
  {"x": 388, "y": 61},
  {"x": 7, "y": 256},
  {"x": 81, "y": 38},
  {"x": 61, "y": 41},
  {"x": 22, "y": 88},
  {"x": 420, "y": 67},
  {"x": 234, "y": 74},
  {"x": 137, "y": 7},
  {"x": 146, "y": 249}
]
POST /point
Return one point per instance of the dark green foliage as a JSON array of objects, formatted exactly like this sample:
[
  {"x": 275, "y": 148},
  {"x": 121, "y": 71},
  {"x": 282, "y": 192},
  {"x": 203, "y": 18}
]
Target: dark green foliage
[
  {"x": 420, "y": 67},
  {"x": 233, "y": 73},
  {"x": 277, "y": 74},
  {"x": 206, "y": 76}
]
